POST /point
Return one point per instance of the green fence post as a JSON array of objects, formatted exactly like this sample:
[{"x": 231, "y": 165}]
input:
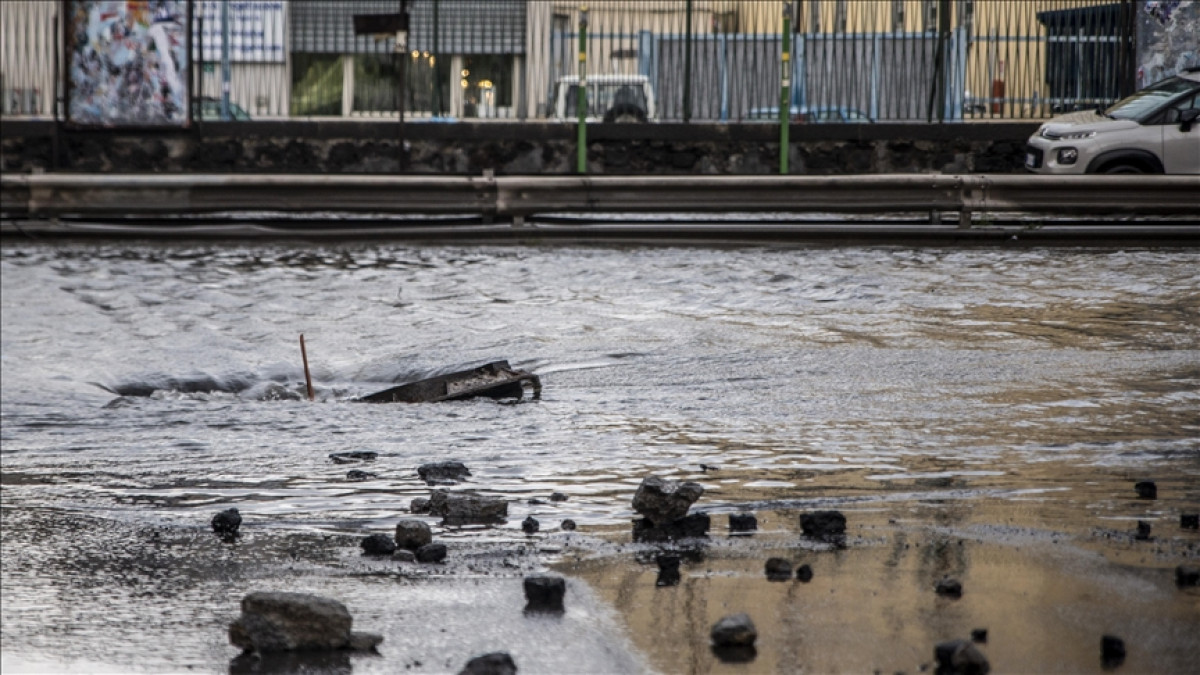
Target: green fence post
[
  {"x": 581, "y": 104},
  {"x": 785, "y": 88}
]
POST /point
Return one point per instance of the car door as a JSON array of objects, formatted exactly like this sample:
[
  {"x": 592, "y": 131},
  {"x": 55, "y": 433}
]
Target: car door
[{"x": 1181, "y": 149}]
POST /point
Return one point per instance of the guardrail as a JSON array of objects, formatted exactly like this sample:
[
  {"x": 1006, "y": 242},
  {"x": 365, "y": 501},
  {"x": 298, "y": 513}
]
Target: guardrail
[{"x": 520, "y": 197}]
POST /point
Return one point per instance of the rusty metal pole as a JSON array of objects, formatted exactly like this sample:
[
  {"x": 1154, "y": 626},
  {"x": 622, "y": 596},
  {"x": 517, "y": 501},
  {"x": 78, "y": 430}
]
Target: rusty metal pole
[{"x": 307, "y": 376}]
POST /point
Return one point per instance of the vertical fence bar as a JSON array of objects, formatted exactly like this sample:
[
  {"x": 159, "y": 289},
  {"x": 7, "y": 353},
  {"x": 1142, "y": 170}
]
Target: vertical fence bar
[
  {"x": 581, "y": 104},
  {"x": 785, "y": 88},
  {"x": 687, "y": 62}
]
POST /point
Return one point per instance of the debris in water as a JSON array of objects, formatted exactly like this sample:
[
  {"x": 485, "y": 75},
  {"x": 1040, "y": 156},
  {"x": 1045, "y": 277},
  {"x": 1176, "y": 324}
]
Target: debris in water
[{"x": 496, "y": 380}]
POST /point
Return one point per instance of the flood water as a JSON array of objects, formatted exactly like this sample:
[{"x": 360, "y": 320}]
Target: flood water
[{"x": 147, "y": 386}]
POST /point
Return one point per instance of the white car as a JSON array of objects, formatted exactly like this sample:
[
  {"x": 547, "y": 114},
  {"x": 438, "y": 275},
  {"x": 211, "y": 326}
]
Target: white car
[
  {"x": 1156, "y": 130},
  {"x": 610, "y": 98}
]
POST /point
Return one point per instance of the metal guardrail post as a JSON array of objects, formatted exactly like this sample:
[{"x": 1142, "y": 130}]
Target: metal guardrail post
[
  {"x": 785, "y": 88},
  {"x": 581, "y": 104}
]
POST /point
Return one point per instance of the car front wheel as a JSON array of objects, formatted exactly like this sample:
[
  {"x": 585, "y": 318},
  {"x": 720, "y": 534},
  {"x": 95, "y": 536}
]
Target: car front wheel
[{"x": 1124, "y": 168}]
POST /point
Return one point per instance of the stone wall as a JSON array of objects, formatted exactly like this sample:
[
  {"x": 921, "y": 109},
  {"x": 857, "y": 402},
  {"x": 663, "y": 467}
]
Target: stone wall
[{"x": 516, "y": 148}]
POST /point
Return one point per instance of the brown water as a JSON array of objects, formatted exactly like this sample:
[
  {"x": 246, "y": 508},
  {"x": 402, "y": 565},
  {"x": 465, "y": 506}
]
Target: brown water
[{"x": 979, "y": 413}]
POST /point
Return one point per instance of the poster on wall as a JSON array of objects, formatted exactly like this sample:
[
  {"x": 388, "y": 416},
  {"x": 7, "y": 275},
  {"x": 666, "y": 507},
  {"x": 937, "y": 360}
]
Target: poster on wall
[{"x": 127, "y": 62}]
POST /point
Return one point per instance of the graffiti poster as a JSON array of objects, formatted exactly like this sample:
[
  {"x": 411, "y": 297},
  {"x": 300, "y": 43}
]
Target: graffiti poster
[{"x": 127, "y": 62}]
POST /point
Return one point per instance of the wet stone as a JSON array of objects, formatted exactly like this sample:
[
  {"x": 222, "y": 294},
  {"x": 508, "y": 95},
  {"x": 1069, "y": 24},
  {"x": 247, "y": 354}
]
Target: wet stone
[
  {"x": 804, "y": 573},
  {"x": 544, "y": 593},
  {"x": 949, "y": 587},
  {"x": 568, "y": 525},
  {"x": 378, "y": 544},
  {"x": 412, "y": 534},
  {"x": 495, "y": 663},
  {"x": 960, "y": 657},
  {"x": 668, "y": 570},
  {"x": 734, "y": 630},
  {"x": 1185, "y": 575},
  {"x": 227, "y": 522},
  {"x": 419, "y": 505},
  {"x": 1146, "y": 489},
  {"x": 979, "y": 635},
  {"x": 558, "y": 497},
  {"x": 278, "y": 622},
  {"x": 742, "y": 522},
  {"x": 829, "y": 526},
  {"x": 695, "y": 525},
  {"x": 357, "y": 475},
  {"x": 1143, "y": 530},
  {"x": 779, "y": 569},
  {"x": 431, "y": 553},
  {"x": 1112, "y": 651},
  {"x": 530, "y": 525},
  {"x": 404, "y": 555},
  {"x": 664, "y": 501},
  {"x": 443, "y": 473},
  {"x": 459, "y": 508},
  {"x": 1189, "y": 521},
  {"x": 352, "y": 457}
]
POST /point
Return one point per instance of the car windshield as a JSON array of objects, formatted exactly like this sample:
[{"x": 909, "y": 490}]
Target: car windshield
[
  {"x": 603, "y": 96},
  {"x": 1149, "y": 99}
]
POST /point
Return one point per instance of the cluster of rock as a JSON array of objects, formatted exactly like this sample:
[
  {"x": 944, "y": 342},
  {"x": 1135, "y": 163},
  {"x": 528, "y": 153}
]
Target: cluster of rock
[{"x": 413, "y": 542}]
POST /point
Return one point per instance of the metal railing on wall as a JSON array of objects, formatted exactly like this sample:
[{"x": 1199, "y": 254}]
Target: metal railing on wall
[{"x": 704, "y": 60}]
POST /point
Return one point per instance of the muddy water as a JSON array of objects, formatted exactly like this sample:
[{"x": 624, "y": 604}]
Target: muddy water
[{"x": 976, "y": 413}]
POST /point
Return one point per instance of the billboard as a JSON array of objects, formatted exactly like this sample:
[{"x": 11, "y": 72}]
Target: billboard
[{"x": 127, "y": 62}]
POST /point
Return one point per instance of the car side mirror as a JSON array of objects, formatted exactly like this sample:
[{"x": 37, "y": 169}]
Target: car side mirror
[{"x": 1187, "y": 117}]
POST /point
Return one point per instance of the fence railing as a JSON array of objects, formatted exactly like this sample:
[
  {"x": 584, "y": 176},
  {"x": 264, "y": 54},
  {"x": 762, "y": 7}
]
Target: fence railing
[{"x": 703, "y": 60}]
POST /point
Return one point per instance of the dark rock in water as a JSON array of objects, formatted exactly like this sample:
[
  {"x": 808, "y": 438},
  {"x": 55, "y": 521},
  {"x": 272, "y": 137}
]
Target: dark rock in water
[
  {"x": 960, "y": 657},
  {"x": 544, "y": 593},
  {"x": 568, "y": 524},
  {"x": 664, "y": 501},
  {"x": 404, "y": 555},
  {"x": 431, "y": 553},
  {"x": 1187, "y": 576},
  {"x": 419, "y": 505},
  {"x": 558, "y": 497},
  {"x": 979, "y": 635},
  {"x": 443, "y": 473},
  {"x": 412, "y": 534},
  {"x": 735, "y": 654},
  {"x": 804, "y": 573},
  {"x": 530, "y": 525},
  {"x": 352, "y": 457},
  {"x": 378, "y": 544},
  {"x": 1146, "y": 489},
  {"x": 829, "y": 526},
  {"x": 695, "y": 525},
  {"x": 742, "y": 522},
  {"x": 496, "y": 663},
  {"x": 1189, "y": 521},
  {"x": 227, "y": 522},
  {"x": 364, "y": 642},
  {"x": 668, "y": 570},
  {"x": 1112, "y": 651},
  {"x": 1143, "y": 530},
  {"x": 356, "y": 475},
  {"x": 950, "y": 587},
  {"x": 279, "y": 622},
  {"x": 460, "y": 508},
  {"x": 288, "y": 663},
  {"x": 735, "y": 630},
  {"x": 778, "y": 569}
]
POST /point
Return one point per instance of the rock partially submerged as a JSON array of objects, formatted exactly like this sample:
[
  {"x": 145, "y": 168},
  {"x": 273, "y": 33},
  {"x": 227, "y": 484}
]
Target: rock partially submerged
[
  {"x": 742, "y": 522},
  {"x": 227, "y": 522},
  {"x": 960, "y": 657},
  {"x": 778, "y": 569},
  {"x": 1146, "y": 489},
  {"x": 466, "y": 507},
  {"x": 695, "y": 525},
  {"x": 663, "y": 501},
  {"x": 378, "y": 544},
  {"x": 826, "y": 526},
  {"x": 352, "y": 457},
  {"x": 496, "y": 663},
  {"x": 279, "y": 622},
  {"x": 1186, "y": 575},
  {"x": 668, "y": 570},
  {"x": 412, "y": 534},
  {"x": 949, "y": 587},
  {"x": 1112, "y": 651},
  {"x": 734, "y": 630},
  {"x": 544, "y": 593},
  {"x": 443, "y": 473}
]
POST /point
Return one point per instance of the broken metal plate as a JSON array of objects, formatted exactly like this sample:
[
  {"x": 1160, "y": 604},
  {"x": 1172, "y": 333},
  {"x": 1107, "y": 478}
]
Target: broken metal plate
[{"x": 494, "y": 380}]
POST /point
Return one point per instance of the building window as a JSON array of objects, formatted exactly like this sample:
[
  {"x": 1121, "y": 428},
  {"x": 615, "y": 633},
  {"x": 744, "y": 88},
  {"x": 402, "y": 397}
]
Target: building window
[{"x": 316, "y": 84}]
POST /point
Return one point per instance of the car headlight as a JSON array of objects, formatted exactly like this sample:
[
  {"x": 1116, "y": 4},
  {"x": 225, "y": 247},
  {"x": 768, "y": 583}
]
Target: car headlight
[
  {"x": 1067, "y": 155},
  {"x": 1078, "y": 135}
]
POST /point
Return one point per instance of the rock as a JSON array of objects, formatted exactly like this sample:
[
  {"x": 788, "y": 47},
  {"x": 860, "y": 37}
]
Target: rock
[
  {"x": 1187, "y": 576},
  {"x": 668, "y": 570},
  {"x": 443, "y": 473},
  {"x": 829, "y": 526},
  {"x": 1189, "y": 521},
  {"x": 979, "y": 635},
  {"x": 664, "y": 501},
  {"x": 431, "y": 553},
  {"x": 778, "y": 569},
  {"x": 285, "y": 663},
  {"x": 804, "y": 573},
  {"x": 1112, "y": 651},
  {"x": 1146, "y": 489},
  {"x": 544, "y": 593},
  {"x": 458, "y": 508},
  {"x": 742, "y": 522},
  {"x": 558, "y": 497},
  {"x": 378, "y": 544},
  {"x": 496, "y": 663},
  {"x": 227, "y": 522},
  {"x": 412, "y": 534},
  {"x": 960, "y": 657},
  {"x": 277, "y": 622},
  {"x": 356, "y": 475},
  {"x": 568, "y": 525},
  {"x": 404, "y": 555},
  {"x": 530, "y": 525},
  {"x": 950, "y": 587},
  {"x": 351, "y": 457},
  {"x": 695, "y": 525},
  {"x": 419, "y": 505},
  {"x": 735, "y": 630},
  {"x": 364, "y": 642},
  {"x": 1143, "y": 530}
]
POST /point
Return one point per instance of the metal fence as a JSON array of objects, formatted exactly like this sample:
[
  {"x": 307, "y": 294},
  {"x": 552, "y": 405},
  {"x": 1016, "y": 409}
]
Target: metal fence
[{"x": 703, "y": 60}]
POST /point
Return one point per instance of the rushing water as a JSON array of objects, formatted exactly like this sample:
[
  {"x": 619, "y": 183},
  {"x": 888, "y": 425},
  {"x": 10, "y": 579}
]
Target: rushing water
[{"x": 870, "y": 373}]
